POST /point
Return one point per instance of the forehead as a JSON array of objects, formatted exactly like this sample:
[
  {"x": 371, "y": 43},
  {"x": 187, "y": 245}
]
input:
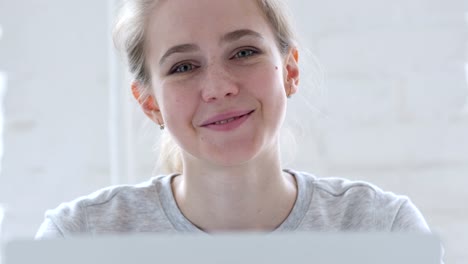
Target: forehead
[{"x": 173, "y": 22}]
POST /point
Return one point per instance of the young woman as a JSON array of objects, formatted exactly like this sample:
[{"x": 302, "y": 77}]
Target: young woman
[{"x": 216, "y": 75}]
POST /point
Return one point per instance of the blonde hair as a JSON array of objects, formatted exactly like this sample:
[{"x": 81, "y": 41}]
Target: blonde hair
[{"x": 129, "y": 38}]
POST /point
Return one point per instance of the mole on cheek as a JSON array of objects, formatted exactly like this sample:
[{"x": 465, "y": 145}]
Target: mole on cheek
[{"x": 276, "y": 67}]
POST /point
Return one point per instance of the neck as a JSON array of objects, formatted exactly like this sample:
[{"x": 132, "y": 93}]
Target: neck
[{"x": 257, "y": 195}]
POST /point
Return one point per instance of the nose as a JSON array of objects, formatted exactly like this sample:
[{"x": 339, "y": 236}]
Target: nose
[{"x": 218, "y": 84}]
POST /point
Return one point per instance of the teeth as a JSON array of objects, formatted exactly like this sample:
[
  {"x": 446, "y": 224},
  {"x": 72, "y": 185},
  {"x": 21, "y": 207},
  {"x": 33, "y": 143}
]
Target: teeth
[{"x": 225, "y": 121}]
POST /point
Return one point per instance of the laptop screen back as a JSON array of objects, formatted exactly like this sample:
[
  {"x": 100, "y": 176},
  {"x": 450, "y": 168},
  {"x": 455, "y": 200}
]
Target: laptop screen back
[{"x": 333, "y": 248}]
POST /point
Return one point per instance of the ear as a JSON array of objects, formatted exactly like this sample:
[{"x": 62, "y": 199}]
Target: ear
[
  {"x": 147, "y": 102},
  {"x": 292, "y": 71}
]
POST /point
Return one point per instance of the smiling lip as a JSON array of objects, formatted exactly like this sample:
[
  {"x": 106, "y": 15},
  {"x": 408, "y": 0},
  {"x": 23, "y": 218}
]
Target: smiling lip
[{"x": 225, "y": 116}]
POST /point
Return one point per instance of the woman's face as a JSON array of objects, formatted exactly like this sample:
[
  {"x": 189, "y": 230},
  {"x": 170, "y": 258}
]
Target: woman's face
[{"x": 218, "y": 78}]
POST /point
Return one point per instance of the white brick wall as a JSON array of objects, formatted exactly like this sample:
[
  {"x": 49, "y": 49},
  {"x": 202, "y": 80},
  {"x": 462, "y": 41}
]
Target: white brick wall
[{"x": 390, "y": 111}]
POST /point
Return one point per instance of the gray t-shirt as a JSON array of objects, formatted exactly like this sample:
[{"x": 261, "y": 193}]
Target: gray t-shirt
[{"x": 322, "y": 204}]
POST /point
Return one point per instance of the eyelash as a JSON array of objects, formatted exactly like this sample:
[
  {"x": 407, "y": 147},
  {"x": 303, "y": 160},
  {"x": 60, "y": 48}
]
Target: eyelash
[
  {"x": 176, "y": 68},
  {"x": 251, "y": 50}
]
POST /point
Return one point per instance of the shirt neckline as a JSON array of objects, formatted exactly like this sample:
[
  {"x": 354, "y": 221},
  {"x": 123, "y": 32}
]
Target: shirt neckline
[{"x": 182, "y": 224}]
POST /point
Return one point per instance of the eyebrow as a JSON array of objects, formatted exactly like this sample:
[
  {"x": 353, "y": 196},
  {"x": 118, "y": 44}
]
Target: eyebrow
[
  {"x": 238, "y": 34},
  {"x": 178, "y": 49},
  {"x": 229, "y": 37}
]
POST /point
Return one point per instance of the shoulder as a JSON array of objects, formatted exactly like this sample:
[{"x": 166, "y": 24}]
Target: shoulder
[
  {"x": 345, "y": 189},
  {"x": 361, "y": 206},
  {"x": 121, "y": 195},
  {"x": 108, "y": 205},
  {"x": 114, "y": 196}
]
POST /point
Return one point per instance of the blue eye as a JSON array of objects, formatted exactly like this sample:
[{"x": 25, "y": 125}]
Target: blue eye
[
  {"x": 245, "y": 53},
  {"x": 182, "y": 68}
]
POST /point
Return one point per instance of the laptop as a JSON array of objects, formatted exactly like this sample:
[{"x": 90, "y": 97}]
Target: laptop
[{"x": 330, "y": 248}]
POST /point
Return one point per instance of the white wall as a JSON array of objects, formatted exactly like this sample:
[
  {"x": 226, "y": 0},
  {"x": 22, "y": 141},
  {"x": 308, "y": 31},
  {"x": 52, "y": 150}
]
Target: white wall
[
  {"x": 391, "y": 109},
  {"x": 396, "y": 98},
  {"x": 56, "y": 125}
]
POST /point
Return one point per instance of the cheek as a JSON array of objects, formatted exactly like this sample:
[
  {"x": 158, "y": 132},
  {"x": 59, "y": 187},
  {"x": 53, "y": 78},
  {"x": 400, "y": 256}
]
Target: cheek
[
  {"x": 178, "y": 105},
  {"x": 268, "y": 87},
  {"x": 266, "y": 81}
]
